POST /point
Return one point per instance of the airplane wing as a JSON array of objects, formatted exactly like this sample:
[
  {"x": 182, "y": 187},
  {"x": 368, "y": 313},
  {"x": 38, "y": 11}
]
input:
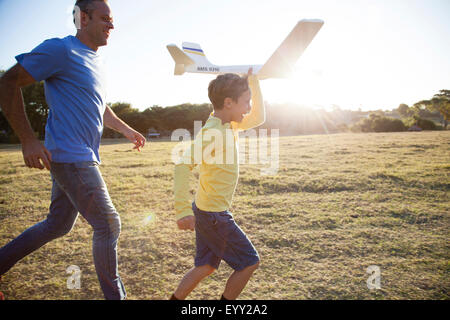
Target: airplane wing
[{"x": 282, "y": 61}]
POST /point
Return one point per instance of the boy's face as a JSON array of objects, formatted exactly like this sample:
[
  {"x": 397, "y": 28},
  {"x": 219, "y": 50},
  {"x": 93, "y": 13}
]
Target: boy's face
[{"x": 240, "y": 108}]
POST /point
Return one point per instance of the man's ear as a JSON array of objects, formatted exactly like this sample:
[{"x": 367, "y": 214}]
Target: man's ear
[{"x": 84, "y": 19}]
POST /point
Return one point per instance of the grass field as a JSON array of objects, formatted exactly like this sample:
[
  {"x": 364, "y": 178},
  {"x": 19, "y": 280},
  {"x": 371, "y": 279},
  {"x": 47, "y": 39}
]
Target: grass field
[{"x": 338, "y": 204}]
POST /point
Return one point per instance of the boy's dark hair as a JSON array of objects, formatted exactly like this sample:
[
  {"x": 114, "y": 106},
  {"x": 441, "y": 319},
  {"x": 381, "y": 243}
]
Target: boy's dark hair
[
  {"x": 227, "y": 85},
  {"x": 86, "y": 6}
]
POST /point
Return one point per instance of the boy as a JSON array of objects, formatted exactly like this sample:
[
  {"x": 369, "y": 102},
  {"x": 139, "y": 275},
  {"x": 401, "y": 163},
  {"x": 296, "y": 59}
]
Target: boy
[{"x": 217, "y": 234}]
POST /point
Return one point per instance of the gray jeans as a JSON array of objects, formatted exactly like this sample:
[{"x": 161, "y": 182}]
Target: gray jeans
[{"x": 77, "y": 188}]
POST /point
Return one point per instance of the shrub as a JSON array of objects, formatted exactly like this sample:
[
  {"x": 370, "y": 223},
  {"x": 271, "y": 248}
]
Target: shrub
[
  {"x": 385, "y": 124},
  {"x": 424, "y": 124},
  {"x": 378, "y": 123}
]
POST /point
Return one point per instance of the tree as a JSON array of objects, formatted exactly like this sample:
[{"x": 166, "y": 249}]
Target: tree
[
  {"x": 36, "y": 109},
  {"x": 404, "y": 111},
  {"x": 440, "y": 102},
  {"x": 129, "y": 115}
]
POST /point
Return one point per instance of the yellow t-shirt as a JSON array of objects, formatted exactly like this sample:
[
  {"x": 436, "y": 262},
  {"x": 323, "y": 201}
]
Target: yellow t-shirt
[{"x": 216, "y": 150}]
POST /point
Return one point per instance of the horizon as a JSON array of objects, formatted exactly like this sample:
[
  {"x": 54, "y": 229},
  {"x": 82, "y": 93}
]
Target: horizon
[
  {"x": 269, "y": 104},
  {"x": 369, "y": 55}
]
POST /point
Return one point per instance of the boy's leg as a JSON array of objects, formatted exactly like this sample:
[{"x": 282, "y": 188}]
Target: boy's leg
[
  {"x": 206, "y": 262},
  {"x": 60, "y": 220},
  {"x": 191, "y": 280},
  {"x": 237, "y": 282},
  {"x": 227, "y": 240}
]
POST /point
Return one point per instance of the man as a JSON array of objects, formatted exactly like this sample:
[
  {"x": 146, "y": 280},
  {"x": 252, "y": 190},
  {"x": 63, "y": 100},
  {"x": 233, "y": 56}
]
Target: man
[
  {"x": 72, "y": 71},
  {"x": 218, "y": 237}
]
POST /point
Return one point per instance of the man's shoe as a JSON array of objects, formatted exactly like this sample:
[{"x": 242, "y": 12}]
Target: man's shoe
[{"x": 2, "y": 296}]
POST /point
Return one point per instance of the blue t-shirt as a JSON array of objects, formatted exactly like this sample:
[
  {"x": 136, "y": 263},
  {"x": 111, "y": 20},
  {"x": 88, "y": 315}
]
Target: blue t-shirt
[{"x": 75, "y": 94}]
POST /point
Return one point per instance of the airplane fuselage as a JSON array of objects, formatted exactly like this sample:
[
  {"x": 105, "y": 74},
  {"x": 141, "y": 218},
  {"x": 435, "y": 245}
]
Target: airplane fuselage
[{"x": 213, "y": 69}]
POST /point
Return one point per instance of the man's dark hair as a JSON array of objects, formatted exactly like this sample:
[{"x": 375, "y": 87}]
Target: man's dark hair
[
  {"x": 227, "y": 85},
  {"x": 86, "y": 6}
]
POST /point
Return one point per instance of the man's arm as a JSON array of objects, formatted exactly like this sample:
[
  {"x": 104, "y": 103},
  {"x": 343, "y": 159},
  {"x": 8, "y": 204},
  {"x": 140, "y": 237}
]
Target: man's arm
[
  {"x": 112, "y": 121},
  {"x": 11, "y": 102}
]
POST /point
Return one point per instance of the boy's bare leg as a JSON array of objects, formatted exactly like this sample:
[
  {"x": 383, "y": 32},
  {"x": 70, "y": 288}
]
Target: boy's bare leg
[
  {"x": 237, "y": 282},
  {"x": 191, "y": 280}
]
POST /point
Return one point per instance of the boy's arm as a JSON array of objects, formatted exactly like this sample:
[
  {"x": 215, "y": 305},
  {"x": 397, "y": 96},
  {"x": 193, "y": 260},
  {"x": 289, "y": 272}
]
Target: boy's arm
[
  {"x": 183, "y": 209},
  {"x": 181, "y": 191},
  {"x": 192, "y": 157},
  {"x": 257, "y": 115}
]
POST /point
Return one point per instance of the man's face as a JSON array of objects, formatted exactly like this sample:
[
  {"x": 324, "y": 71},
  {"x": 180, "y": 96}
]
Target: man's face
[
  {"x": 241, "y": 107},
  {"x": 101, "y": 23}
]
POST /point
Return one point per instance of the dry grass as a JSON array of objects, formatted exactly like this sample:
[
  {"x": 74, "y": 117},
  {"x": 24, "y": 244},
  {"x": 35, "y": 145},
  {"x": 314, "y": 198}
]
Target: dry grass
[{"x": 338, "y": 204}]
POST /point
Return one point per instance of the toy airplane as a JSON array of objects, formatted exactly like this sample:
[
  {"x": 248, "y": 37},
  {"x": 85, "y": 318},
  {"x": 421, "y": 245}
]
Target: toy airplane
[{"x": 192, "y": 59}]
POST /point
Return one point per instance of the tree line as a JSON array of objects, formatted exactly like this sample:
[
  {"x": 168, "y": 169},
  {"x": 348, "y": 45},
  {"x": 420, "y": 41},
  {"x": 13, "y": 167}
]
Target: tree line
[
  {"x": 420, "y": 116},
  {"x": 290, "y": 119}
]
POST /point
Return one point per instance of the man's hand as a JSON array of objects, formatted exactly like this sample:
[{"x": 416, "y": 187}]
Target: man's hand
[
  {"x": 136, "y": 138},
  {"x": 33, "y": 152},
  {"x": 112, "y": 121},
  {"x": 186, "y": 223}
]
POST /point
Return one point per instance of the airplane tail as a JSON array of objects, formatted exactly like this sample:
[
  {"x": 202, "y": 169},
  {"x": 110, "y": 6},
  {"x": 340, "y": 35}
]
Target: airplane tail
[
  {"x": 195, "y": 52},
  {"x": 192, "y": 54}
]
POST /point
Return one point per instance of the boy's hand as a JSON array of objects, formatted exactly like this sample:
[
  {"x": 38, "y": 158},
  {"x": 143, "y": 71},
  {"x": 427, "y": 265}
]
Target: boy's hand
[
  {"x": 250, "y": 72},
  {"x": 186, "y": 223}
]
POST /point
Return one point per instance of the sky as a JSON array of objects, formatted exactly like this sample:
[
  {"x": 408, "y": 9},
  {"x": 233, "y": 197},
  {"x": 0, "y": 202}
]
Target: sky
[{"x": 370, "y": 54}]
